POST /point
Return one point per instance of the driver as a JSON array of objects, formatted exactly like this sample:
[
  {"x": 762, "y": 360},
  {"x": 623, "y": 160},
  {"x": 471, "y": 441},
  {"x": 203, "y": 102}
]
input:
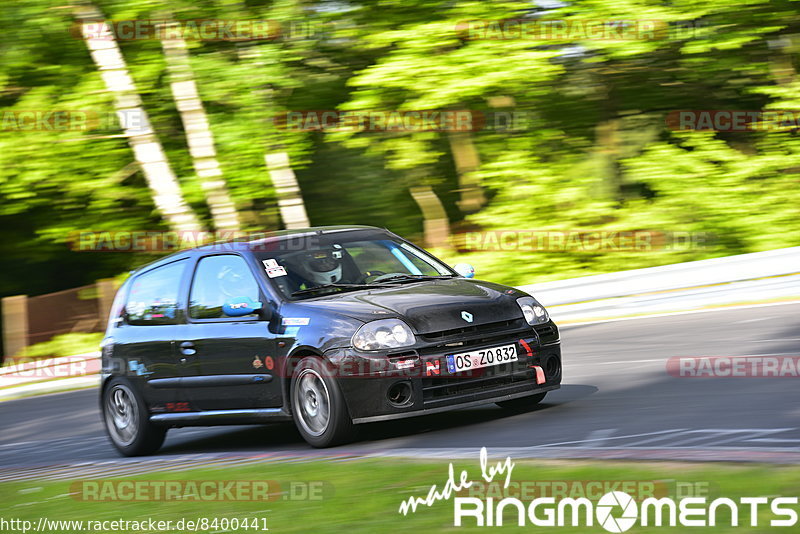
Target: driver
[{"x": 322, "y": 266}]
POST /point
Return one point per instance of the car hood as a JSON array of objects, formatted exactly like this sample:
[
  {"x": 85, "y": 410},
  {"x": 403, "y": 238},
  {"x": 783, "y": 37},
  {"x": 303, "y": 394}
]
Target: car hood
[{"x": 429, "y": 306}]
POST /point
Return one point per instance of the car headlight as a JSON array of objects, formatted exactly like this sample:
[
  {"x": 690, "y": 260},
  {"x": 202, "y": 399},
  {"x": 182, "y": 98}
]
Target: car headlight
[
  {"x": 533, "y": 311},
  {"x": 383, "y": 334}
]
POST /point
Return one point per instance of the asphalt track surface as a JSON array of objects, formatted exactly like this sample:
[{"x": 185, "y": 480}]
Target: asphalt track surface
[{"x": 617, "y": 401}]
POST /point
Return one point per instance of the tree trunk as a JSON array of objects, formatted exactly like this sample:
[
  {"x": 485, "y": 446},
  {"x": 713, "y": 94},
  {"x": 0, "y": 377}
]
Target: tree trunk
[
  {"x": 290, "y": 202},
  {"x": 148, "y": 152},
  {"x": 290, "y": 198},
  {"x": 435, "y": 223},
  {"x": 199, "y": 136},
  {"x": 607, "y": 143},
  {"x": 467, "y": 162}
]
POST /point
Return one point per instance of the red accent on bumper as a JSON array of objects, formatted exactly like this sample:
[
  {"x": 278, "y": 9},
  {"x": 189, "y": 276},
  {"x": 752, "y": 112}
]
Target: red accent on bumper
[{"x": 540, "y": 379}]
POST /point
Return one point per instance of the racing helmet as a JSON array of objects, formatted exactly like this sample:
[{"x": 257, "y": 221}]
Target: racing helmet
[{"x": 322, "y": 266}]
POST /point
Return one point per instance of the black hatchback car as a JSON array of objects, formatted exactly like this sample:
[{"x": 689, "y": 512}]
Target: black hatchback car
[{"x": 329, "y": 327}]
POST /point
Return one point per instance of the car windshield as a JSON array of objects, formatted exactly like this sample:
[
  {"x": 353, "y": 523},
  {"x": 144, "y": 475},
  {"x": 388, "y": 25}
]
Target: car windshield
[{"x": 318, "y": 264}]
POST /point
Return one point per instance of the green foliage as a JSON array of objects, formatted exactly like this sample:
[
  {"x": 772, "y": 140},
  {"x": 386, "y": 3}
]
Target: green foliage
[
  {"x": 594, "y": 153},
  {"x": 64, "y": 345}
]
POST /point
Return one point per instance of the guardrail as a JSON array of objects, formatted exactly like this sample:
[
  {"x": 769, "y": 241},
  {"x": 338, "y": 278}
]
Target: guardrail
[{"x": 694, "y": 274}]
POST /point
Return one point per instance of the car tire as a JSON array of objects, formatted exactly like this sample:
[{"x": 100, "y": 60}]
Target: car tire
[
  {"x": 127, "y": 421},
  {"x": 522, "y": 403},
  {"x": 318, "y": 406}
]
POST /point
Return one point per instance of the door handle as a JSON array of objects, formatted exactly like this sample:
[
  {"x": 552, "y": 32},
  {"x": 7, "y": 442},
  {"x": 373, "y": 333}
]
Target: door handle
[{"x": 187, "y": 348}]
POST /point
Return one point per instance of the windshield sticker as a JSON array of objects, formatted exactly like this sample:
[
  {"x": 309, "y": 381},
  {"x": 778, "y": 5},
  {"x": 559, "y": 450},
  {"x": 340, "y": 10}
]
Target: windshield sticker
[
  {"x": 273, "y": 269},
  {"x": 278, "y": 271},
  {"x": 295, "y": 321}
]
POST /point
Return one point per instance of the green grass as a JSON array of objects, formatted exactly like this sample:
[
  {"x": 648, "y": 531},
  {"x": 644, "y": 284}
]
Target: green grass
[{"x": 364, "y": 495}]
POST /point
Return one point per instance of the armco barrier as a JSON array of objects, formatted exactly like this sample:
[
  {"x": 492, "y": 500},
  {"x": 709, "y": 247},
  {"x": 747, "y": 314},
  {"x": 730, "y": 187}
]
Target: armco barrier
[{"x": 668, "y": 277}]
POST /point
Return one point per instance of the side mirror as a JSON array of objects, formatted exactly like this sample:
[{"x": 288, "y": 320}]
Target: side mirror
[
  {"x": 465, "y": 269},
  {"x": 241, "y": 306}
]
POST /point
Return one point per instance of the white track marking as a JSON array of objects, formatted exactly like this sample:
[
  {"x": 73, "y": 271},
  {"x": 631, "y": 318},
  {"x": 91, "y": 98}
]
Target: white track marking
[
  {"x": 774, "y": 440},
  {"x": 606, "y": 438},
  {"x": 630, "y": 361},
  {"x": 599, "y": 436},
  {"x": 752, "y": 320}
]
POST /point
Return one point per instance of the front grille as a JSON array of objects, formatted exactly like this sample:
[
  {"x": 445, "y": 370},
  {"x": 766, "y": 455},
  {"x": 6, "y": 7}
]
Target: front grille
[
  {"x": 463, "y": 346},
  {"x": 439, "y": 388},
  {"x": 488, "y": 328},
  {"x": 463, "y": 383}
]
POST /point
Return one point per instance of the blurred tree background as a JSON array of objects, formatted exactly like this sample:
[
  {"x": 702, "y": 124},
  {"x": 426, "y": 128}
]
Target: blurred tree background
[{"x": 594, "y": 154}]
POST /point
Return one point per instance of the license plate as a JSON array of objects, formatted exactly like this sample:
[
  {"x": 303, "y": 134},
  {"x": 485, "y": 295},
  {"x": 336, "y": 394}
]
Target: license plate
[{"x": 476, "y": 359}]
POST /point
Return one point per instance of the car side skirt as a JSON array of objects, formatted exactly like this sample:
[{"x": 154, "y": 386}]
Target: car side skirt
[{"x": 222, "y": 417}]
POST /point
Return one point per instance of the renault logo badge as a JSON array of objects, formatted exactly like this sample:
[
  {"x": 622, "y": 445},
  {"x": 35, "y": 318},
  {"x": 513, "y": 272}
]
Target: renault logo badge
[{"x": 466, "y": 316}]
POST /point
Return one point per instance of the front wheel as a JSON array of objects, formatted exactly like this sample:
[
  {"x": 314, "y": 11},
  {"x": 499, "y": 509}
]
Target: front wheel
[
  {"x": 318, "y": 406},
  {"x": 523, "y": 403},
  {"x": 127, "y": 422}
]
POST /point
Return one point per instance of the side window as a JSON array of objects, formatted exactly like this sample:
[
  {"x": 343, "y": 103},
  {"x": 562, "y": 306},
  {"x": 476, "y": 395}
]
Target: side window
[
  {"x": 117, "y": 313},
  {"x": 219, "y": 280},
  {"x": 153, "y": 298}
]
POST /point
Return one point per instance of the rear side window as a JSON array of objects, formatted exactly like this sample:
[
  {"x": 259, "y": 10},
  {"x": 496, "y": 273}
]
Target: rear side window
[
  {"x": 219, "y": 280},
  {"x": 153, "y": 298},
  {"x": 117, "y": 313}
]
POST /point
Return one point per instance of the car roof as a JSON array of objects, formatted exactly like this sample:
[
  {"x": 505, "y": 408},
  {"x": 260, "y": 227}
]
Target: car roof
[{"x": 242, "y": 245}]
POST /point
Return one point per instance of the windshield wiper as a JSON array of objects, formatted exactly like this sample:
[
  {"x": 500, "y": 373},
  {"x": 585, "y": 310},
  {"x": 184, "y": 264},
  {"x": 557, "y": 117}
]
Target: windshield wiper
[
  {"x": 323, "y": 287},
  {"x": 401, "y": 277}
]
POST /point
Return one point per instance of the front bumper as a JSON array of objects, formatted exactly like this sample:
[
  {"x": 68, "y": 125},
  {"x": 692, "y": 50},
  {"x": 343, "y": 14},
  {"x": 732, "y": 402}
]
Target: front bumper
[{"x": 367, "y": 379}]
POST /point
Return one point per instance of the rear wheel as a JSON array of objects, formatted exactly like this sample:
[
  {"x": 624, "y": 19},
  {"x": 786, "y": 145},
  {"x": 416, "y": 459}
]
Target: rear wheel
[
  {"x": 523, "y": 403},
  {"x": 127, "y": 421},
  {"x": 318, "y": 406}
]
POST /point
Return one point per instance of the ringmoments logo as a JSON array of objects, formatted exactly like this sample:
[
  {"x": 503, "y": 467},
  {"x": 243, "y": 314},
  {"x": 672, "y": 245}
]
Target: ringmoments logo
[
  {"x": 614, "y": 511},
  {"x": 605, "y": 511}
]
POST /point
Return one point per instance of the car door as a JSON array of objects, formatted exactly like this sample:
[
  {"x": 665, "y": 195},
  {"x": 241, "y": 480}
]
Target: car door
[
  {"x": 145, "y": 338},
  {"x": 230, "y": 361}
]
